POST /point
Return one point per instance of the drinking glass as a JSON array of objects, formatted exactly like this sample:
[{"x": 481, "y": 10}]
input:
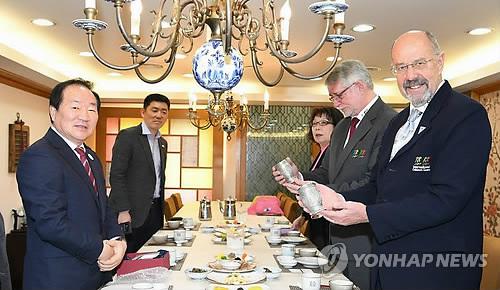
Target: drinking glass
[
  {"x": 235, "y": 240},
  {"x": 241, "y": 211}
]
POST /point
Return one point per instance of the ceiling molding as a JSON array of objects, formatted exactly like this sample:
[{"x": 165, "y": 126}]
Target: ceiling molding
[{"x": 17, "y": 81}]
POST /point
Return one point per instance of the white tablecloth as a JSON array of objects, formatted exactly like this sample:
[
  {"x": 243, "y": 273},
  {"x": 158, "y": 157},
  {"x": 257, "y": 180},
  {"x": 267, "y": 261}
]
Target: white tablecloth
[{"x": 204, "y": 250}]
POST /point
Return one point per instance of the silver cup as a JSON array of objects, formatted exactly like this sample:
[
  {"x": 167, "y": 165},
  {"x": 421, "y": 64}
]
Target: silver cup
[
  {"x": 285, "y": 168},
  {"x": 311, "y": 198}
]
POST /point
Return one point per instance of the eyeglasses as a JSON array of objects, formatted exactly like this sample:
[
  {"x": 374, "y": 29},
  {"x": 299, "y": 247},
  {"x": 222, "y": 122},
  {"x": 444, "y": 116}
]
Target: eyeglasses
[
  {"x": 417, "y": 65},
  {"x": 321, "y": 123},
  {"x": 339, "y": 96}
]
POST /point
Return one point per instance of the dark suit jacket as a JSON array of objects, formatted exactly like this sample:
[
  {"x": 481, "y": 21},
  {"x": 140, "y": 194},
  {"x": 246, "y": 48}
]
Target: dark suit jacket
[
  {"x": 133, "y": 177},
  {"x": 349, "y": 168},
  {"x": 435, "y": 205},
  {"x": 67, "y": 220}
]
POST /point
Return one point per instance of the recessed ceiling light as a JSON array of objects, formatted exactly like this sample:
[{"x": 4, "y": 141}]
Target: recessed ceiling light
[
  {"x": 43, "y": 22},
  {"x": 187, "y": 75},
  {"x": 479, "y": 31},
  {"x": 316, "y": 79},
  {"x": 332, "y": 58},
  {"x": 390, "y": 79},
  {"x": 114, "y": 74},
  {"x": 373, "y": 68},
  {"x": 363, "y": 28},
  {"x": 85, "y": 53}
]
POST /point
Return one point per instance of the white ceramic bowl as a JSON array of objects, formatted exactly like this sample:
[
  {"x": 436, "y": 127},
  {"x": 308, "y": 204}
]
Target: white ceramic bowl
[
  {"x": 266, "y": 227},
  {"x": 271, "y": 272},
  {"x": 197, "y": 273},
  {"x": 173, "y": 224},
  {"x": 338, "y": 284},
  {"x": 207, "y": 229},
  {"x": 273, "y": 240},
  {"x": 307, "y": 252},
  {"x": 288, "y": 265},
  {"x": 160, "y": 237},
  {"x": 230, "y": 264},
  {"x": 286, "y": 259}
]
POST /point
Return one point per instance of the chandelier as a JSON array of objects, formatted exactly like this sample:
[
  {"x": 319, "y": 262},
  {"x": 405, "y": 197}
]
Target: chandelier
[
  {"x": 217, "y": 65},
  {"x": 224, "y": 112}
]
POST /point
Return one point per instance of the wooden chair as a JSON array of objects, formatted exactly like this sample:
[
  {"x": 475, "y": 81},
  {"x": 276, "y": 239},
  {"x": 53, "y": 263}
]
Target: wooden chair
[
  {"x": 304, "y": 229},
  {"x": 169, "y": 210},
  {"x": 178, "y": 200},
  {"x": 291, "y": 209},
  {"x": 491, "y": 278},
  {"x": 279, "y": 195},
  {"x": 282, "y": 197}
]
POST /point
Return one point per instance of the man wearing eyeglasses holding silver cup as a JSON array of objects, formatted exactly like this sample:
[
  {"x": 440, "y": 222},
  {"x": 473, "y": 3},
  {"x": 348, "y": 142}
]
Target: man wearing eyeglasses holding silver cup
[
  {"x": 424, "y": 200},
  {"x": 352, "y": 154}
]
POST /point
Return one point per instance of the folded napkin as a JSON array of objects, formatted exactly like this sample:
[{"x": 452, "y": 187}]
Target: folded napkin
[{"x": 265, "y": 205}]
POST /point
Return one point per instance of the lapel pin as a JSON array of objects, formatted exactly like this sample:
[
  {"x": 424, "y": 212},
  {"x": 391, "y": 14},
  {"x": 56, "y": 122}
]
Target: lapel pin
[
  {"x": 90, "y": 156},
  {"x": 421, "y": 129}
]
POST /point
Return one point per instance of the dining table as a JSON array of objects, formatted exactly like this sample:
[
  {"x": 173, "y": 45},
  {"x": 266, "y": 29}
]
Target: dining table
[{"x": 203, "y": 249}]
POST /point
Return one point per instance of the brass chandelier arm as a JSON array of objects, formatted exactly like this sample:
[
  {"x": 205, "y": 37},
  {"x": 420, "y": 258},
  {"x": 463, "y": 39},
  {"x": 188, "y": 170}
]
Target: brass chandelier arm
[
  {"x": 104, "y": 62},
  {"x": 314, "y": 51},
  {"x": 171, "y": 62},
  {"x": 255, "y": 65},
  {"x": 195, "y": 121},
  {"x": 320, "y": 74},
  {"x": 265, "y": 115},
  {"x": 152, "y": 45},
  {"x": 229, "y": 26}
]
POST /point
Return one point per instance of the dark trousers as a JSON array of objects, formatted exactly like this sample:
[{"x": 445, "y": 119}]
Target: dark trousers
[{"x": 151, "y": 225}]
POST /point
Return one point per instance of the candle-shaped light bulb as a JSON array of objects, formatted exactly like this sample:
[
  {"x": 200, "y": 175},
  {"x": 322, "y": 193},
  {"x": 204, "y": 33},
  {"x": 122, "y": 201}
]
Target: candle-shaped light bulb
[
  {"x": 266, "y": 100},
  {"x": 211, "y": 3},
  {"x": 90, "y": 4},
  {"x": 194, "y": 102},
  {"x": 339, "y": 17},
  {"x": 135, "y": 17},
  {"x": 244, "y": 100},
  {"x": 190, "y": 100},
  {"x": 285, "y": 15}
]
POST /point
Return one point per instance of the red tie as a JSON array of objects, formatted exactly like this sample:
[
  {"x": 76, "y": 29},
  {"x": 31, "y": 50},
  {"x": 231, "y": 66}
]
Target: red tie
[
  {"x": 86, "y": 165},
  {"x": 352, "y": 129}
]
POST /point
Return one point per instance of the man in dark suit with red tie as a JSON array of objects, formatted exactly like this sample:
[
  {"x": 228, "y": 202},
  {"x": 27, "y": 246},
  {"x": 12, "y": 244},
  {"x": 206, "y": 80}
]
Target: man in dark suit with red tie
[
  {"x": 352, "y": 153},
  {"x": 424, "y": 201},
  {"x": 73, "y": 239}
]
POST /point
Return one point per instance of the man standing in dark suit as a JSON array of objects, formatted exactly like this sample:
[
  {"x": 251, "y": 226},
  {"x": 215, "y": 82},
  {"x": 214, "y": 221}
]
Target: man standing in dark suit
[
  {"x": 73, "y": 239},
  {"x": 138, "y": 173},
  {"x": 425, "y": 198},
  {"x": 353, "y": 152}
]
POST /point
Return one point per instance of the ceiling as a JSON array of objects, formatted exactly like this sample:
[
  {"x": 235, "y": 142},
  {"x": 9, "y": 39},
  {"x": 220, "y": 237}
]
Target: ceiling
[{"x": 53, "y": 51}]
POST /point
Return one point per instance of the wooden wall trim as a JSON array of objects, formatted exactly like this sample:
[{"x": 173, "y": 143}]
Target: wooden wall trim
[
  {"x": 25, "y": 84},
  {"x": 218, "y": 164},
  {"x": 241, "y": 182},
  {"x": 488, "y": 88}
]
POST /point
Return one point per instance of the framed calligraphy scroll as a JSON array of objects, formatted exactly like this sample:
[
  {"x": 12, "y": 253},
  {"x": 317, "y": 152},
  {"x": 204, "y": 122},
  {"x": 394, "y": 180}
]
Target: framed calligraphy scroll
[{"x": 19, "y": 139}]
